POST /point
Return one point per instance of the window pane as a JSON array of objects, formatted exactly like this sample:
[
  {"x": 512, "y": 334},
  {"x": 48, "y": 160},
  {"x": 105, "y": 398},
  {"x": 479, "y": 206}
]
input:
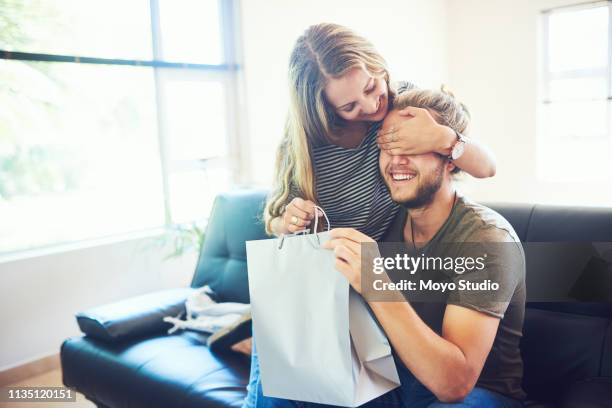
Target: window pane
[
  {"x": 575, "y": 144},
  {"x": 79, "y": 156},
  {"x": 576, "y": 120},
  {"x": 574, "y": 161},
  {"x": 192, "y": 193},
  {"x": 105, "y": 29},
  {"x": 578, "y": 88},
  {"x": 578, "y": 39},
  {"x": 196, "y": 119},
  {"x": 190, "y": 31}
]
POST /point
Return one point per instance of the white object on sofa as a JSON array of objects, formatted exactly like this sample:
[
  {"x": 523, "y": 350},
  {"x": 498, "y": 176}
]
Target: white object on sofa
[{"x": 204, "y": 315}]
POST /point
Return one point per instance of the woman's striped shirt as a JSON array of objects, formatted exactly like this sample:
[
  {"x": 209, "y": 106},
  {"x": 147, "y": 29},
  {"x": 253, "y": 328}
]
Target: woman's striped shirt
[{"x": 349, "y": 185}]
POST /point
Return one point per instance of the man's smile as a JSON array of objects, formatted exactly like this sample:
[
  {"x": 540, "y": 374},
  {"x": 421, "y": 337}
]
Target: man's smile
[{"x": 402, "y": 176}]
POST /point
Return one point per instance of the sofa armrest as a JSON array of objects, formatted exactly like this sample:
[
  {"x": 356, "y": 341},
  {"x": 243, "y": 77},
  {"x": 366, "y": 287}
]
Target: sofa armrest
[{"x": 133, "y": 317}]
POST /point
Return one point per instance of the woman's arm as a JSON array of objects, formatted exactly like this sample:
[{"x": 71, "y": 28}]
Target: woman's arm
[
  {"x": 419, "y": 133},
  {"x": 277, "y": 226},
  {"x": 476, "y": 160}
]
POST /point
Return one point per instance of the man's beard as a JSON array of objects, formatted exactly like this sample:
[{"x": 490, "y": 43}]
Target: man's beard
[{"x": 427, "y": 190}]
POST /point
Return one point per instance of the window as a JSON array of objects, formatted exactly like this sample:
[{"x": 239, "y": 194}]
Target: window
[
  {"x": 575, "y": 138},
  {"x": 116, "y": 116}
]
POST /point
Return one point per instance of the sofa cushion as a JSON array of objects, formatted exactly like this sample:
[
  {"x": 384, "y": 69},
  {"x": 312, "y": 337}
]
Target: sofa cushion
[
  {"x": 560, "y": 349},
  {"x": 590, "y": 393},
  {"x": 160, "y": 371},
  {"x": 570, "y": 224},
  {"x": 236, "y": 217},
  {"x": 537, "y": 404}
]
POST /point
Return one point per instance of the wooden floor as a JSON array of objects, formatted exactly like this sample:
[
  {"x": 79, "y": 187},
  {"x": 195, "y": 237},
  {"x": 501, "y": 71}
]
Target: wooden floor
[{"x": 51, "y": 379}]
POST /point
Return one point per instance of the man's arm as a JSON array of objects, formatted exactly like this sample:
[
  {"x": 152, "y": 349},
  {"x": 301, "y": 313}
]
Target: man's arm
[{"x": 448, "y": 365}]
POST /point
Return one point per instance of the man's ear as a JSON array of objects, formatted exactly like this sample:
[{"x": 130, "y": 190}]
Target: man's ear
[{"x": 450, "y": 166}]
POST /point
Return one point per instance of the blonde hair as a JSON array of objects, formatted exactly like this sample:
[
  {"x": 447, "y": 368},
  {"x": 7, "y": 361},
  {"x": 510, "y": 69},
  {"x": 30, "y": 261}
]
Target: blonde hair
[
  {"x": 449, "y": 111},
  {"x": 324, "y": 51}
]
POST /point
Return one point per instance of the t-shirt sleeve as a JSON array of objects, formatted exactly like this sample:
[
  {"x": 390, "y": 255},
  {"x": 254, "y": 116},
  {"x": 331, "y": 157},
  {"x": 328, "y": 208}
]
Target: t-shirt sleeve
[{"x": 492, "y": 279}]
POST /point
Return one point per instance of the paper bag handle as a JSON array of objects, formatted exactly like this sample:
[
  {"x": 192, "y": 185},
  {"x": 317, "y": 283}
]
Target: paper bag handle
[
  {"x": 306, "y": 231},
  {"x": 317, "y": 208}
]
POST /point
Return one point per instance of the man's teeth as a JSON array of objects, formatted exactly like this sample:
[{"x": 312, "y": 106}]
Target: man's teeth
[{"x": 399, "y": 177}]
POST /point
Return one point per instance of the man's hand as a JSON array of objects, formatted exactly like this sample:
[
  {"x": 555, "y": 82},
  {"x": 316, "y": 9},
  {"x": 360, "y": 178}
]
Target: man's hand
[
  {"x": 346, "y": 244},
  {"x": 245, "y": 346}
]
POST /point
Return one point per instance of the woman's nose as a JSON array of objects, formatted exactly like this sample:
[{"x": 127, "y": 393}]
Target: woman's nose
[{"x": 370, "y": 106}]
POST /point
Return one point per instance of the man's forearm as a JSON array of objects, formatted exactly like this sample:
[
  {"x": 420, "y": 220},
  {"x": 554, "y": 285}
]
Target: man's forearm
[{"x": 437, "y": 363}]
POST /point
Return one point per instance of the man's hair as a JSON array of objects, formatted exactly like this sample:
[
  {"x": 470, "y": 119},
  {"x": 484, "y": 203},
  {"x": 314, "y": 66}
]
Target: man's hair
[{"x": 449, "y": 111}]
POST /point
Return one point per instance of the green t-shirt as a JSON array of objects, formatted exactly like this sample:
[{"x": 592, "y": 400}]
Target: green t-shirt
[{"x": 471, "y": 228}]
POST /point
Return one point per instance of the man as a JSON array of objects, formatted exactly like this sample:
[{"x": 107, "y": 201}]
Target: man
[{"x": 467, "y": 351}]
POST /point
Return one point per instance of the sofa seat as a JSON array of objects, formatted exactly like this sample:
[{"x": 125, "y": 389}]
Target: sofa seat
[
  {"x": 161, "y": 371},
  {"x": 589, "y": 393}
]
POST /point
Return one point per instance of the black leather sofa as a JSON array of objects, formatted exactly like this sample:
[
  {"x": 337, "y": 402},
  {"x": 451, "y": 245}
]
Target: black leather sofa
[{"x": 128, "y": 360}]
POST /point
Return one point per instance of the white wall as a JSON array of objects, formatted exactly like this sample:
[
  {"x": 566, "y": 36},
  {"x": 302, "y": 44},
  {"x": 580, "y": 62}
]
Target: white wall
[
  {"x": 493, "y": 48},
  {"x": 410, "y": 34},
  {"x": 486, "y": 50},
  {"x": 39, "y": 296}
]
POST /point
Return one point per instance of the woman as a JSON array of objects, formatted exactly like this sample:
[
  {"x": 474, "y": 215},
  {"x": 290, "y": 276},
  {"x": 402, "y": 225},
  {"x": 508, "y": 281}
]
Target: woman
[{"x": 339, "y": 93}]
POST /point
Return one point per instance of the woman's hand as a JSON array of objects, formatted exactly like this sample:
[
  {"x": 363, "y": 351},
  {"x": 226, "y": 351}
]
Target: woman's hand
[
  {"x": 297, "y": 215},
  {"x": 346, "y": 244},
  {"x": 420, "y": 134}
]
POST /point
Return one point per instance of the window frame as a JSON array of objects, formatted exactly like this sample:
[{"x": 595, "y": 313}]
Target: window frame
[
  {"x": 546, "y": 76},
  {"x": 228, "y": 73}
]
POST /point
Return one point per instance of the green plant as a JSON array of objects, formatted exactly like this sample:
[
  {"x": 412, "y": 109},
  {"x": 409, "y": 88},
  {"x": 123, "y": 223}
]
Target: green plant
[{"x": 181, "y": 239}]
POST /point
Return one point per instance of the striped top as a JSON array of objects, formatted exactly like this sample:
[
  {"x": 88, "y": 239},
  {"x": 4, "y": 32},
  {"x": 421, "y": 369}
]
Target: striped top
[{"x": 349, "y": 185}]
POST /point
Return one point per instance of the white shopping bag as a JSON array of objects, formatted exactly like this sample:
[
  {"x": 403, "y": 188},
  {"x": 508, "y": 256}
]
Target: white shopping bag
[{"x": 316, "y": 339}]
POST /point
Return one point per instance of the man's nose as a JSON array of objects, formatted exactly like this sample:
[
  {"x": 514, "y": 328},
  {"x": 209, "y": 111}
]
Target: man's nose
[{"x": 400, "y": 159}]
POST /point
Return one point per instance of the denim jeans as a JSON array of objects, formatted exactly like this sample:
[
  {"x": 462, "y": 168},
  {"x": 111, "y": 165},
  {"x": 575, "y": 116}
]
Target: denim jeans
[{"x": 411, "y": 394}]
